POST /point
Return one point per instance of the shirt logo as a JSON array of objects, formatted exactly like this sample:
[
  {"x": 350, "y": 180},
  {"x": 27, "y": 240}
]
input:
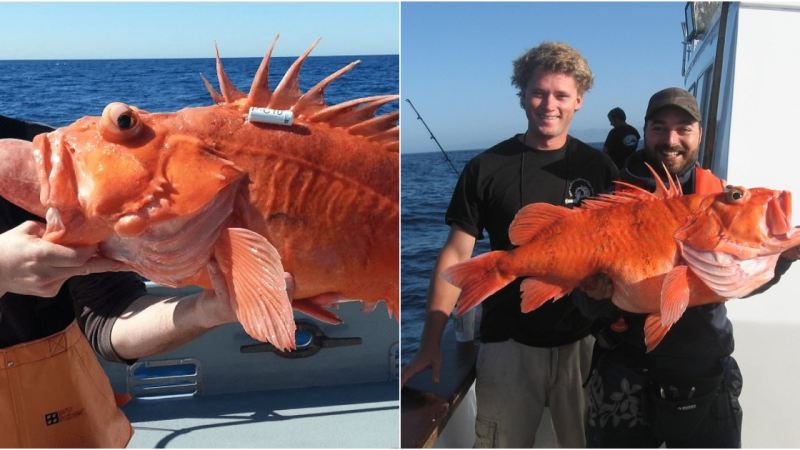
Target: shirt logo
[
  {"x": 630, "y": 140},
  {"x": 579, "y": 189}
]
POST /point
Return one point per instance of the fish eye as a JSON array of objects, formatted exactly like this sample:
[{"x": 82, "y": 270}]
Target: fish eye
[
  {"x": 737, "y": 194},
  {"x": 125, "y": 121},
  {"x": 120, "y": 122}
]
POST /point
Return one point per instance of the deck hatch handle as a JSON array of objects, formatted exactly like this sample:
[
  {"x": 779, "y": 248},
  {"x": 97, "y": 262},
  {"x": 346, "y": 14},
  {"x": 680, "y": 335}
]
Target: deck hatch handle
[{"x": 310, "y": 340}]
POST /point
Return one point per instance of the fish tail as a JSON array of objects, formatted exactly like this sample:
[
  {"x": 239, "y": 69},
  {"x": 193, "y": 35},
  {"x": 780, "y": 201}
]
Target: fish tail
[{"x": 478, "y": 278}]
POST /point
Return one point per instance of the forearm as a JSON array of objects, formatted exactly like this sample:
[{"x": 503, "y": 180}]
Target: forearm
[
  {"x": 442, "y": 298},
  {"x": 154, "y": 324}
]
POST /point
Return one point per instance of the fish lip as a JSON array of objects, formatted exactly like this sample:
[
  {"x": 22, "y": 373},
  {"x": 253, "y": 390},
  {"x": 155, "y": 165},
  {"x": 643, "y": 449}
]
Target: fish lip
[{"x": 42, "y": 152}]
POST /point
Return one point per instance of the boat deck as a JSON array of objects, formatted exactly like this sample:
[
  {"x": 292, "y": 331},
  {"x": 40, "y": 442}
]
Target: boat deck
[
  {"x": 354, "y": 416},
  {"x": 226, "y": 390}
]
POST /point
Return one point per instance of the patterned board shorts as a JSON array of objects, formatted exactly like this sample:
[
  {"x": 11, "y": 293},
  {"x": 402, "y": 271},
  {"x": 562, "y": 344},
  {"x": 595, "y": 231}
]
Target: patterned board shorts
[{"x": 628, "y": 408}]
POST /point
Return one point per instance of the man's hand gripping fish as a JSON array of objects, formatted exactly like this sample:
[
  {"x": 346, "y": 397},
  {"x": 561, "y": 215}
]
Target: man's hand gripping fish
[
  {"x": 166, "y": 192},
  {"x": 663, "y": 252}
]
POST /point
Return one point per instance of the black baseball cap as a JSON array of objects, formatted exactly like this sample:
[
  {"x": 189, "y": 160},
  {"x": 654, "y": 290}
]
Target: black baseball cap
[{"x": 673, "y": 96}]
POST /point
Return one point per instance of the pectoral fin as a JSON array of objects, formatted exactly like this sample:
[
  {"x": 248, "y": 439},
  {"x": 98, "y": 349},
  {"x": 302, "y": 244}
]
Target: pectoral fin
[
  {"x": 654, "y": 331},
  {"x": 674, "y": 295},
  {"x": 256, "y": 285}
]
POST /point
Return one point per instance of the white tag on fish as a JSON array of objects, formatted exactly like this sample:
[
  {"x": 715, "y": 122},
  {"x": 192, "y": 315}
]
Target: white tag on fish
[{"x": 271, "y": 116}]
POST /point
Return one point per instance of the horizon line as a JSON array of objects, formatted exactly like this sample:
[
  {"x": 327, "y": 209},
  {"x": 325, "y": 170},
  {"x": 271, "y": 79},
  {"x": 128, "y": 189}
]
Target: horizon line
[{"x": 197, "y": 57}]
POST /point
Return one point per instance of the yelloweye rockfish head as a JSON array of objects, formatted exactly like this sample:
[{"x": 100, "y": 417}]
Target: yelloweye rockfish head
[
  {"x": 746, "y": 223},
  {"x": 118, "y": 172},
  {"x": 734, "y": 240}
]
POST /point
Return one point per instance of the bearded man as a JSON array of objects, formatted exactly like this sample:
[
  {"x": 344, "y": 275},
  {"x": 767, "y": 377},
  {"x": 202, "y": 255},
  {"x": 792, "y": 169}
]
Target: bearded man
[{"x": 685, "y": 392}]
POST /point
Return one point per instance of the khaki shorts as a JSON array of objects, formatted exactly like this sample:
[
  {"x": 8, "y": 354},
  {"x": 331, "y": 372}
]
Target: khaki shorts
[
  {"x": 53, "y": 393},
  {"x": 514, "y": 384}
]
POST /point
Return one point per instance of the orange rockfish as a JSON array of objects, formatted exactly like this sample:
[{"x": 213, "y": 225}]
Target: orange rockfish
[
  {"x": 315, "y": 194},
  {"x": 663, "y": 252}
]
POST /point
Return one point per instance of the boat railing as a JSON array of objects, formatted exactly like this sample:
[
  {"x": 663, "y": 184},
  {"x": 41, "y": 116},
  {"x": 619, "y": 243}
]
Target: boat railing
[{"x": 425, "y": 406}]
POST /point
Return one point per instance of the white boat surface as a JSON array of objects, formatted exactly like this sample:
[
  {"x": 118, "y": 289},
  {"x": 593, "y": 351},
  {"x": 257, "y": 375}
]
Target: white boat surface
[
  {"x": 227, "y": 390},
  {"x": 740, "y": 62}
]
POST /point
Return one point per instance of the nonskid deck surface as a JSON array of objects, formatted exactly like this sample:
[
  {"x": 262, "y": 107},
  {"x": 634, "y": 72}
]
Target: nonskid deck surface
[{"x": 349, "y": 416}]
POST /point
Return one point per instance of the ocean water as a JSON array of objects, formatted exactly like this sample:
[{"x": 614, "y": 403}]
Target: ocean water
[
  {"x": 59, "y": 92},
  {"x": 427, "y": 183}
]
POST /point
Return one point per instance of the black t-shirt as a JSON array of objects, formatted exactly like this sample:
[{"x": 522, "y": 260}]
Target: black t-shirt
[
  {"x": 493, "y": 187},
  {"x": 621, "y": 143},
  {"x": 96, "y": 300}
]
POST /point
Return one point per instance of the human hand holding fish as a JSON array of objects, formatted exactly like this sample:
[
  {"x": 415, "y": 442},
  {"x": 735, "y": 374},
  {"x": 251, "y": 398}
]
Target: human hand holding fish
[
  {"x": 598, "y": 286},
  {"x": 156, "y": 324},
  {"x": 215, "y": 304},
  {"x": 30, "y": 265}
]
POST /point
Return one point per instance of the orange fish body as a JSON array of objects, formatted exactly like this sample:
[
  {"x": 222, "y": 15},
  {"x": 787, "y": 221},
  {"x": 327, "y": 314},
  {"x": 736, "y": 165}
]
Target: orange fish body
[
  {"x": 663, "y": 252},
  {"x": 166, "y": 192}
]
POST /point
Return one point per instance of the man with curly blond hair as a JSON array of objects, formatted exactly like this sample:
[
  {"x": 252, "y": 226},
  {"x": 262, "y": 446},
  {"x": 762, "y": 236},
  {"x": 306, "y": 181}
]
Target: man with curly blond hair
[{"x": 526, "y": 361}]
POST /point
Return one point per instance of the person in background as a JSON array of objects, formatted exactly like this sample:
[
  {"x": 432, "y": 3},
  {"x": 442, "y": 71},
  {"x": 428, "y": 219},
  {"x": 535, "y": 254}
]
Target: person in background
[
  {"x": 622, "y": 140},
  {"x": 685, "y": 392},
  {"x": 526, "y": 361},
  {"x": 51, "y": 296}
]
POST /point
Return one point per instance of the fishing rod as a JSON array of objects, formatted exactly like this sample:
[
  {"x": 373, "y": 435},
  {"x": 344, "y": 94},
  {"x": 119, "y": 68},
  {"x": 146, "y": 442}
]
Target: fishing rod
[{"x": 447, "y": 158}]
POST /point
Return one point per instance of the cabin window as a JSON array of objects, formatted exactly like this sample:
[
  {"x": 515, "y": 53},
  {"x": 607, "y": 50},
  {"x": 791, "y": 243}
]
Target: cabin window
[
  {"x": 701, "y": 89},
  {"x": 705, "y": 99}
]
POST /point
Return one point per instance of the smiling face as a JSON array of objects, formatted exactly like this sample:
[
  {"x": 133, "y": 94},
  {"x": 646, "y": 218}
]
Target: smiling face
[
  {"x": 673, "y": 137},
  {"x": 550, "y": 100}
]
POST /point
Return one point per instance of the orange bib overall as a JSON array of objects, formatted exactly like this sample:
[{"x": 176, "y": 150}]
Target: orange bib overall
[{"x": 53, "y": 393}]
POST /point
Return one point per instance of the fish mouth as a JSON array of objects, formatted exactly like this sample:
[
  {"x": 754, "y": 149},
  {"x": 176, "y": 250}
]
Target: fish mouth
[
  {"x": 779, "y": 214},
  {"x": 779, "y": 219},
  {"x": 19, "y": 175}
]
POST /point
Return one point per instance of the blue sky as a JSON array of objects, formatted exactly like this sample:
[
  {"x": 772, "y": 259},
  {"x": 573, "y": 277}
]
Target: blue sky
[
  {"x": 98, "y": 30},
  {"x": 456, "y": 65}
]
